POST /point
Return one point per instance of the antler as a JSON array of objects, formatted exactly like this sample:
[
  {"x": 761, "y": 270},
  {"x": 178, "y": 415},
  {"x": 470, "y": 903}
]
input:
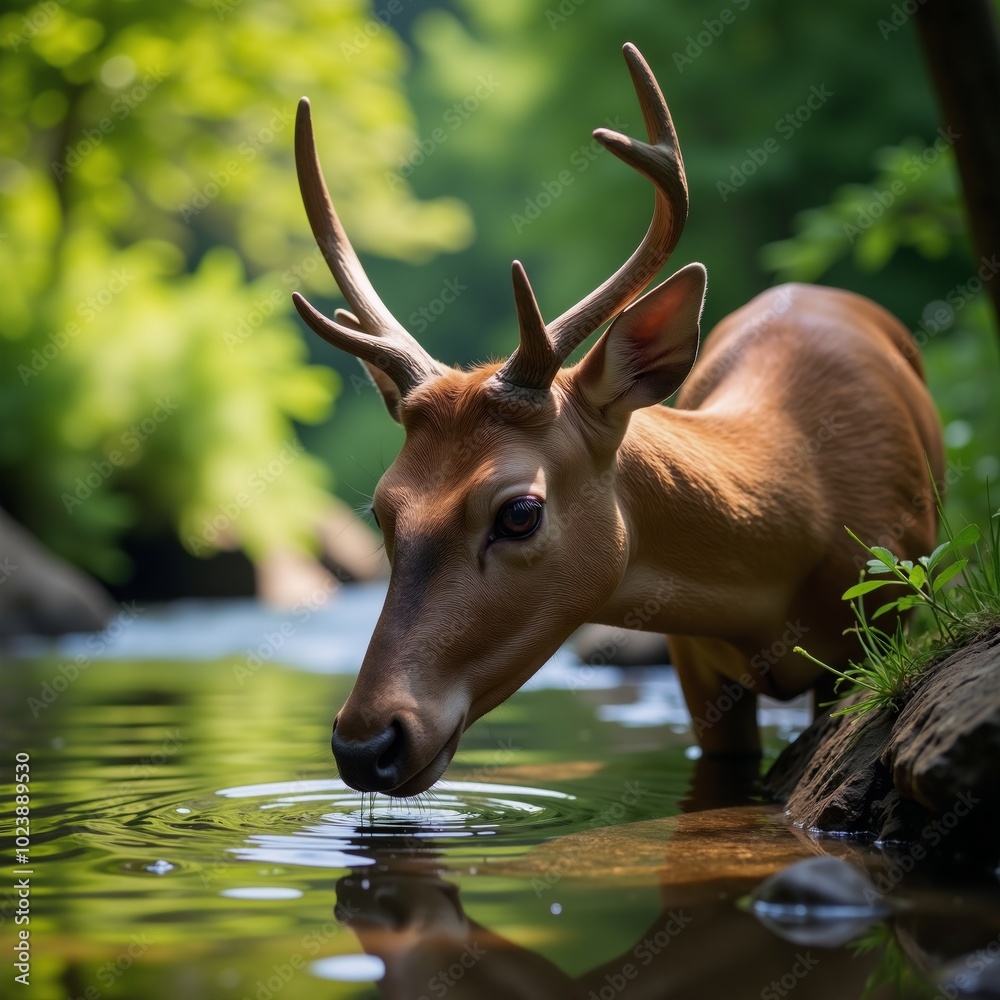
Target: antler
[
  {"x": 542, "y": 350},
  {"x": 374, "y": 335}
]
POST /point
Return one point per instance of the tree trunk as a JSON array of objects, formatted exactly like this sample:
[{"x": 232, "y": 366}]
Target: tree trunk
[{"x": 961, "y": 44}]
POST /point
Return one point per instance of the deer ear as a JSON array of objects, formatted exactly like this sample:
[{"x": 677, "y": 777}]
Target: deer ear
[
  {"x": 648, "y": 351},
  {"x": 387, "y": 388}
]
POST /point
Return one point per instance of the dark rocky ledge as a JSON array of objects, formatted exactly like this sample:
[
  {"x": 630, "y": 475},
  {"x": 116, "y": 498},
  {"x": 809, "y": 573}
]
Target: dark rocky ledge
[{"x": 927, "y": 774}]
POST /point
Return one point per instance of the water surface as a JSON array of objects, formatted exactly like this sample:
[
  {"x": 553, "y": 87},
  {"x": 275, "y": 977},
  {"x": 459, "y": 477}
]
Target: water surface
[{"x": 190, "y": 838}]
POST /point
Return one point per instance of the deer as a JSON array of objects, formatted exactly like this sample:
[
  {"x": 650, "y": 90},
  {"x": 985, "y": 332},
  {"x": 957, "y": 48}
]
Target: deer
[{"x": 530, "y": 497}]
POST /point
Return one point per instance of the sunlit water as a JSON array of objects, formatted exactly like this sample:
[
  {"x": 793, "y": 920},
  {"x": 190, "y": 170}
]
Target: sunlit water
[{"x": 189, "y": 838}]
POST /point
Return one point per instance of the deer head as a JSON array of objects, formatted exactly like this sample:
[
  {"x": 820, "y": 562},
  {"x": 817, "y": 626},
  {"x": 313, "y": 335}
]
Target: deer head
[{"x": 501, "y": 519}]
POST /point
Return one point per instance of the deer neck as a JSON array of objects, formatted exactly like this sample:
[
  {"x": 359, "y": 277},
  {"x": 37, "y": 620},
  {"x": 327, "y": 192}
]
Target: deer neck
[{"x": 709, "y": 519}]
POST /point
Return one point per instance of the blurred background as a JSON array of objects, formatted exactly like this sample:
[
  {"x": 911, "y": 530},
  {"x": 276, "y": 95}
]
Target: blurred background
[{"x": 168, "y": 426}]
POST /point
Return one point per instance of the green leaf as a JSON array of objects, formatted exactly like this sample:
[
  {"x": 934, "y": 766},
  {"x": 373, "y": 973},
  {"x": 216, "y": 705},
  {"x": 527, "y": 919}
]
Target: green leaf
[
  {"x": 884, "y": 555},
  {"x": 877, "y": 566},
  {"x": 946, "y": 574},
  {"x": 866, "y": 587},
  {"x": 935, "y": 557},
  {"x": 917, "y": 576},
  {"x": 969, "y": 535},
  {"x": 885, "y": 609}
]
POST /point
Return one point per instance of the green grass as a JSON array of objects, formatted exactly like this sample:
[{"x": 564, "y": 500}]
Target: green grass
[{"x": 952, "y": 595}]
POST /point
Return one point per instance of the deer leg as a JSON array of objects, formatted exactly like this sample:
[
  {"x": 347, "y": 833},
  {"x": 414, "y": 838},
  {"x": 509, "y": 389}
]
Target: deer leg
[{"x": 723, "y": 711}]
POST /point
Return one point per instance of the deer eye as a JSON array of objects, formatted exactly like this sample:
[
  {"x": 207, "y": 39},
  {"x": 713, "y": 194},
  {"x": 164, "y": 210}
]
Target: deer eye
[{"x": 518, "y": 518}]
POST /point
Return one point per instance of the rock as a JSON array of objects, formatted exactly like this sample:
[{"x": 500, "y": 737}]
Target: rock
[
  {"x": 822, "y": 901},
  {"x": 844, "y": 776},
  {"x": 605, "y": 645},
  {"x": 888, "y": 775},
  {"x": 787, "y": 770},
  {"x": 287, "y": 579},
  {"x": 946, "y": 741},
  {"x": 40, "y": 594},
  {"x": 350, "y": 547},
  {"x": 350, "y": 551}
]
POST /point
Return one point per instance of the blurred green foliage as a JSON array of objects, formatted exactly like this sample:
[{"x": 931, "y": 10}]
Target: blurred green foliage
[
  {"x": 913, "y": 205},
  {"x": 151, "y": 235},
  {"x": 737, "y": 84},
  {"x": 417, "y": 103}
]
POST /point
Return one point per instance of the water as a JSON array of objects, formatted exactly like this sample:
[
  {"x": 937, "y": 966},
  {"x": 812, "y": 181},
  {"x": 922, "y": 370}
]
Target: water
[{"x": 189, "y": 838}]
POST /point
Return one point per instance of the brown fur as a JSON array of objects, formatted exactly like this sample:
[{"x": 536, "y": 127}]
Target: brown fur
[{"x": 720, "y": 521}]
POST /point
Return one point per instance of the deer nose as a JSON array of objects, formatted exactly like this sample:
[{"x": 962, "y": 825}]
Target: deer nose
[{"x": 374, "y": 765}]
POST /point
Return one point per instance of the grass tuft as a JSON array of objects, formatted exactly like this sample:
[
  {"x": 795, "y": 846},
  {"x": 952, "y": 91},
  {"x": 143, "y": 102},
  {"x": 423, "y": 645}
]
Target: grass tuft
[{"x": 954, "y": 597}]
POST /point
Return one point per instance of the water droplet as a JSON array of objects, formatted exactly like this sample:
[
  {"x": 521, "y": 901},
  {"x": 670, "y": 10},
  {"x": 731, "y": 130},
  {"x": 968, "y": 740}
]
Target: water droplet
[
  {"x": 556, "y": 909},
  {"x": 160, "y": 867},
  {"x": 183, "y": 811}
]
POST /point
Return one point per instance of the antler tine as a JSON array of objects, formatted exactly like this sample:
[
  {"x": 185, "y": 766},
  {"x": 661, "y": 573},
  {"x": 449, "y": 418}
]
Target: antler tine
[
  {"x": 534, "y": 363},
  {"x": 542, "y": 350},
  {"x": 387, "y": 353},
  {"x": 381, "y": 339},
  {"x": 659, "y": 160}
]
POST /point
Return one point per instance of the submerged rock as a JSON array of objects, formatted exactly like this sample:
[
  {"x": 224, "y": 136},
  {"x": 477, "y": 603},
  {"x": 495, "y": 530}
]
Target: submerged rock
[{"x": 822, "y": 901}]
